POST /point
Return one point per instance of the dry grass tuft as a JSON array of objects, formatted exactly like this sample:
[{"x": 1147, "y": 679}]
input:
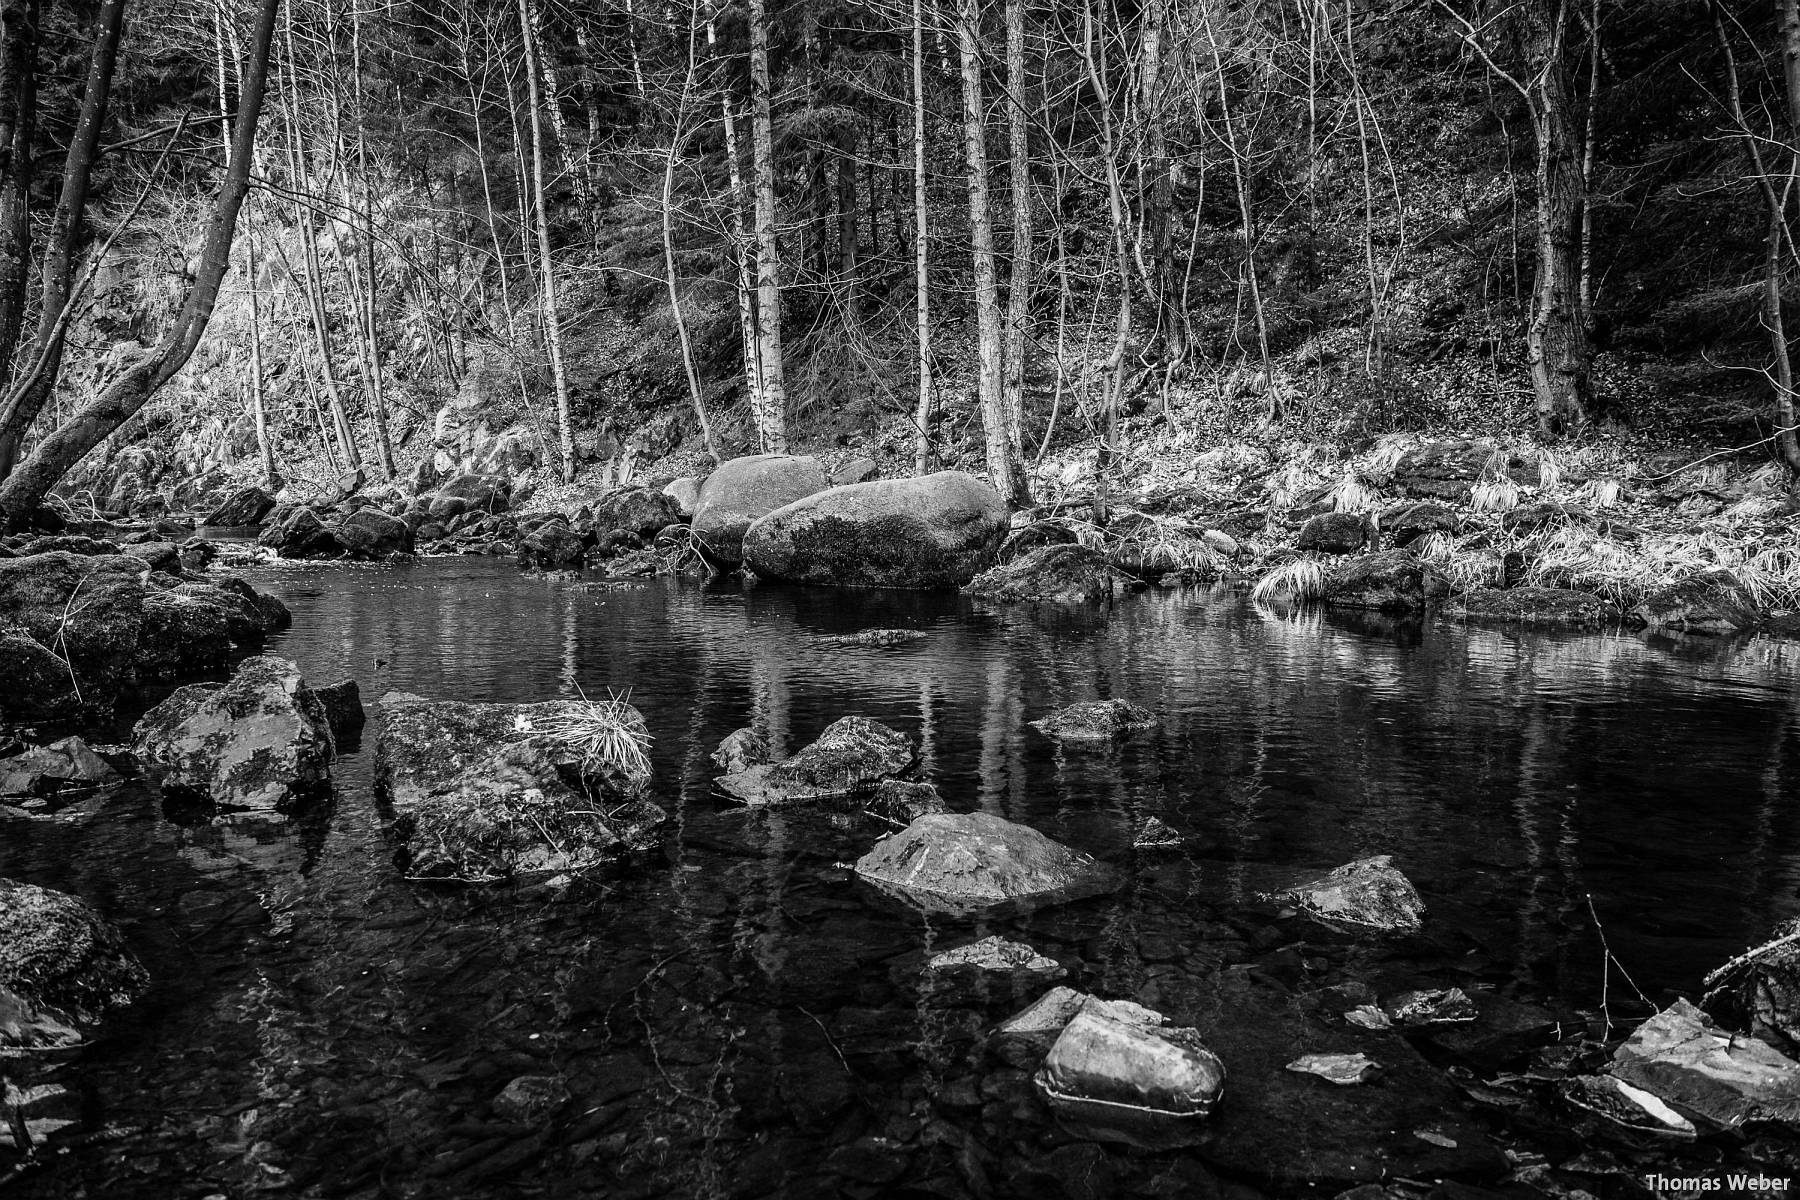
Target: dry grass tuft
[
  {"x": 610, "y": 734},
  {"x": 1494, "y": 494},
  {"x": 1464, "y": 567},
  {"x": 1350, "y": 495},
  {"x": 1298, "y": 581}
]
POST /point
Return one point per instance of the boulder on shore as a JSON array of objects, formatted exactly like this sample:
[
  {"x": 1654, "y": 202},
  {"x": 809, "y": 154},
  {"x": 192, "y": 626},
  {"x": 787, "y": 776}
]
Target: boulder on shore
[
  {"x": 1335, "y": 533},
  {"x": 1062, "y": 573},
  {"x": 933, "y": 531},
  {"x": 632, "y": 515},
  {"x": 1406, "y": 523},
  {"x": 1386, "y": 581},
  {"x": 1560, "y": 607},
  {"x": 372, "y": 534},
  {"x": 63, "y": 968},
  {"x": 260, "y": 742},
  {"x": 469, "y": 493},
  {"x": 966, "y": 863},
  {"x": 297, "y": 531},
  {"x": 552, "y": 546},
  {"x": 852, "y": 755},
  {"x": 1714, "y": 603},
  {"x": 490, "y": 792},
  {"x": 1369, "y": 893},
  {"x": 246, "y": 506},
  {"x": 743, "y": 489}
]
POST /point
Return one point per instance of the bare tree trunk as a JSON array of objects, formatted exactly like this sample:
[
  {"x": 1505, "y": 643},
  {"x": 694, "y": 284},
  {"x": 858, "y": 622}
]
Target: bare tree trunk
[
  {"x": 1556, "y": 341},
  {"x": 384, "y": 446},
  {"x": 768, "y": 260},
  {"x": 741, "y": 253},
  {"x": 676, "y": 137},
  {"x": 921, "y": 247},
  {"x": 23, "y": 404},
  {"x": 1018, "y": 299},
  {"x": 122, "y": 396},
  {"x": 265, "y": 449},
  {"x": 547, "y": 273},
  {"x": 1158, "y": 190},
  {"x": 1115, "y": 197},
  {"x": 1005, "y": 464}
]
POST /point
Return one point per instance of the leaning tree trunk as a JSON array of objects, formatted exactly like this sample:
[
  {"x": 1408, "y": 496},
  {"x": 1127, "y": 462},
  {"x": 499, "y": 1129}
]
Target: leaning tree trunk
[
  {"x": 125, "y": 393},
  {"x": 44, "y": 364}
]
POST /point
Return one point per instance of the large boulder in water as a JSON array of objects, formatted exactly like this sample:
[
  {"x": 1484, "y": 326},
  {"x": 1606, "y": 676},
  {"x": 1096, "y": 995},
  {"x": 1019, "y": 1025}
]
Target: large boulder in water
[
  {"x": 372, "y": 534},
  {"x": 1386, "y": 581},
  {"x": 852, "y": 755},
  {"x": 182, "y": 635},
  {"x": 965, "y": 863},
  {"x": 87, "y": 610},
  {"x": 743, "y": 489},
  {"x": 1369, "y": 893},
  {"x": 298, "y": 532},
  {"x": 933, "y": 531},
  {"x": 1057, "y": 574},
  {"x": 262, "y": 741},
  {"x": 63, "y": 968},
  {"x": 489, "y": 792},
  {"x": 246, "y": 506}
]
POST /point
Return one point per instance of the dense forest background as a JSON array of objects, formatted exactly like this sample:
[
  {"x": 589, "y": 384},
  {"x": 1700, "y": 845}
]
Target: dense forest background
[{"x": 587, "y": 238}]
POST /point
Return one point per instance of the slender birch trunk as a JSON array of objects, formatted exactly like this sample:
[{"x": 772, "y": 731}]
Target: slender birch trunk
[
  {"x": 768, "y": 261},
  {"x": 547, "y": 274}
]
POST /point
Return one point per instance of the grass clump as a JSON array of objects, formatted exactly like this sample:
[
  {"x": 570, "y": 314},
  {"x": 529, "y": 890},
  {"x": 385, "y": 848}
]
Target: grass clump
[
  {"x": 610, "y": 735},
  {"x": 1298, "y": 581}
]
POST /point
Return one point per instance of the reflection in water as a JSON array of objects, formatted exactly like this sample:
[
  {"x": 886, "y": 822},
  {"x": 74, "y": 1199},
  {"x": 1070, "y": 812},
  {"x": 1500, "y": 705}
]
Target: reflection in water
[{"x": 736, "y": 1020}]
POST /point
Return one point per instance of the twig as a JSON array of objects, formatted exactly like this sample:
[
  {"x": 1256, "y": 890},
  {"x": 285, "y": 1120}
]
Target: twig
[
  {"x": 1747, "y": 957},
  {"x": 1607, "y": 963},
  {"x": 832, "y": 1042}
]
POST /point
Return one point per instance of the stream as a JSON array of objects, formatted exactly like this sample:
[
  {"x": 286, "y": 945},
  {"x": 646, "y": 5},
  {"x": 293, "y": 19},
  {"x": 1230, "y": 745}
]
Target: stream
[{"x": 740, "y": 1018}]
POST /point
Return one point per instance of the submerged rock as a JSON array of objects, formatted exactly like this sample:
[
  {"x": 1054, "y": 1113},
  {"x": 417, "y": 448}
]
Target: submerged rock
[
  {"x": 1436, "y": 1006},
  {"x": 902, "y": 803},
  {"x": 1563, "y": 607},
  {"x": 995, "y": 956},
  {"x": 68, "y": 765},
  {"x": 852, "y": 755},
  {"x": 1619, "y": 1106},
  {"x": 879, "y": 637},
  {"x": 1366, "y": 894},
  {"x": 261, "y": 741},
  {"x": 966, "y": 863},
  {"x": 1056, "y": 574},
  {"x": 1729, "y": 1080},
  {"x": 1345, "y": 1070},
  {"x": 531, "y": 1098},
  {"x": 487, "y": 792},
  {"x": 934, "y": 531},
  {"x": 1129, "y": 1082},
  {"x": 744, "y": 489},
  {"x": 63, "y": 968},
  {"x": 1156, "y": 834},
  {"x": 1714, "y": 603},
  {"x": 1096, "y": 722},
  {"x": 1387, "y": 580}
]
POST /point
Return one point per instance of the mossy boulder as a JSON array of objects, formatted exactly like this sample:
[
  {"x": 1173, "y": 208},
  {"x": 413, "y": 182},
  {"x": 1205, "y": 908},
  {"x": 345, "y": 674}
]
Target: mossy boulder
[
  {"x": 182, "y": 635},
  {"x": 296, "y": 531},
  {"x": 1096, "y": 722},
  {"x": 933, "y": 531},
  {"x": 260, "y": 742},
  {"x": 1386, "y": 581},
  {"x": 373, "y": 534},
  {"x": 85, "y": 609},
  {"x": 39, "y": 686},
  {"x": 63, "y": 968},
  {"x": 1335, "y": 533},
  {"x": 744, "y": 489},
  {"x": 1063, "y": 573},
  {"x": 1715, "y": 603}
]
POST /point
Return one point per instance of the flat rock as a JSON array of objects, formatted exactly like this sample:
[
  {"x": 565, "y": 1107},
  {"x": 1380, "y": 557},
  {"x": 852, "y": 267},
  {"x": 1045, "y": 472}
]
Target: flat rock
[
  {"x": 965, "y": 863},
  {"x": 1533, "y": 606},
  {"x": 1729, "y": 1080},
  {"x": 852, "y": 755}
]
